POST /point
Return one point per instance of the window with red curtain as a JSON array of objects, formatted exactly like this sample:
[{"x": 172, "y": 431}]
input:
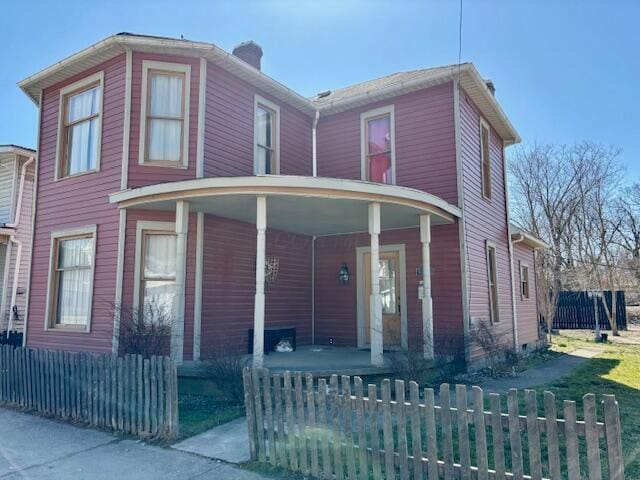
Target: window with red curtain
[{"x": 379, "y": 149}]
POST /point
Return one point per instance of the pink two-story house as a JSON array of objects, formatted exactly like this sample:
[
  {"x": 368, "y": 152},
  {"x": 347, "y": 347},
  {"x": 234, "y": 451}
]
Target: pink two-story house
[{"x": 174, "y": 174}]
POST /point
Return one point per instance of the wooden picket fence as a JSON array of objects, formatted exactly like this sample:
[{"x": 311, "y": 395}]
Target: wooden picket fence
[
  {"x": 129, "y": 394},
  {"x": 335, "y": 431}
]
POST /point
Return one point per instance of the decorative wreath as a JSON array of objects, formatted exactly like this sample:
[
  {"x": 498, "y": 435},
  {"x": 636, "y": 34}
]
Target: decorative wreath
[{"x": 271, "y": 267}]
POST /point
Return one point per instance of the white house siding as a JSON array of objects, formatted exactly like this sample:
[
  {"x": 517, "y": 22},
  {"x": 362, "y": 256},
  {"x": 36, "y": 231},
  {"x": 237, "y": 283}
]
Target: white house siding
[{"x": 7, "y": 181}]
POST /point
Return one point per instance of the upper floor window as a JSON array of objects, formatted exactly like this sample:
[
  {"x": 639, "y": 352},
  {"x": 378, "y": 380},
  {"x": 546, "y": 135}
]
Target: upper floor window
[
  {"x": 485, "y": 153},
  {"x": 378, "y": 145},
  {"x": 80, "y": 127},
  {"x": 71, "y": 278},
  {"x": 164, "y": 129},
  {"x": 492, "y": 277},
  {"x": 266, "y": 137},
  {"x": 524, "y": 281}
]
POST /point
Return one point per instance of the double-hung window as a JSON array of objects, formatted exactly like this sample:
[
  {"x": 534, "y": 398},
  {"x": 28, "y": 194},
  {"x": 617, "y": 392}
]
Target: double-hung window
[
  {"x": 485, "y": 154},
  {"x": 165, "y": 114},
  {"x": 378, "y": 145},
  {"x": 80, "y": 127},
  {"x": 266, "y": 137},
  {"x": 524, "y": 281},
  {"x": 492, "y": 277},
  {"x": 71, "y": 279},
  {"x": 157, "y": 285}
]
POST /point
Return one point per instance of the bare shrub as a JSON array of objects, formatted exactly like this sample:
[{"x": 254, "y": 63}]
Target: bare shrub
[
  {"x": 224, "y": 368},
  {"x": 496, "y": 350},
  {"x": 144, "y": 331}
]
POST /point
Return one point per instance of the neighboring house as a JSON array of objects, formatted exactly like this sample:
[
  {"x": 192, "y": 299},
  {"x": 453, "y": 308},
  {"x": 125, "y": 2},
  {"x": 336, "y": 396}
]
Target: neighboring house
[
  {"x": 174, "y": 174},
  {"x": 17, "y": 168}
]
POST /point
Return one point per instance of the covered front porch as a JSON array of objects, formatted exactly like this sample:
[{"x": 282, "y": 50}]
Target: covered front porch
[{"x": 314, "y": 208}]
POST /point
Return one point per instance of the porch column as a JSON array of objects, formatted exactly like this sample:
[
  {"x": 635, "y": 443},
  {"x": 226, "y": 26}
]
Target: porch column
[
  {"x": 375, "y": 302},
  {"x": 427, "y": 305},
  {"x": 258, "y": 312},
  {"x": 177, "y": 327}
]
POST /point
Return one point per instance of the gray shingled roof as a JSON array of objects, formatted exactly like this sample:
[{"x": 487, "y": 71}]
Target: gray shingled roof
[{"x": 382, "y": 82}]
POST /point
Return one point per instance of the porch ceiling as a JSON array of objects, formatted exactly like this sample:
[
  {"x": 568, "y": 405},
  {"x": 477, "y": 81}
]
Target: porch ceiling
[{"x": 302, "y": 205}]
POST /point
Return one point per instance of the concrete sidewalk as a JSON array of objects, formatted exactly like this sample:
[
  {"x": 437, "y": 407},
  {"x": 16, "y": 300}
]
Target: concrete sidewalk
[{"x": 36, "y": 448}]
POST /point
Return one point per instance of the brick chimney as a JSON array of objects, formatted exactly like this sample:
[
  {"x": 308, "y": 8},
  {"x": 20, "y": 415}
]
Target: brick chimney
[{"x": 249, "y": 52}]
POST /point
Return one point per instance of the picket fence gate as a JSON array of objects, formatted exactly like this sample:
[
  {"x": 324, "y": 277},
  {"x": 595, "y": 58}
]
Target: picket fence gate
[
  {"x": 334, "y": 431},
  {"x": 129, "y": 394}
]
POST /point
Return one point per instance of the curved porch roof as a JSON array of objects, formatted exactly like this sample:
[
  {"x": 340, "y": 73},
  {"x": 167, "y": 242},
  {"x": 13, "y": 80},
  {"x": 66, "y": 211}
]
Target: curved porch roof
[{"x": 297, "y": 204}]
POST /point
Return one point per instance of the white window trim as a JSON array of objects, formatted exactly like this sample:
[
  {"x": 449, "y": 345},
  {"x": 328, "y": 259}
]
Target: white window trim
[
  {"x": 55, "y": 236},
  {"x": 390, "y": 110},
  {"x": 142, "y": 141},
  {"x": 96, "y": 77},
  {"x": 524, "y": 265},
  {"x": 141, "y": 227},
  {"x": 485, "y": 124},
  {"x": 275, "y": 167},
  {"x": 496, "y": 318}
]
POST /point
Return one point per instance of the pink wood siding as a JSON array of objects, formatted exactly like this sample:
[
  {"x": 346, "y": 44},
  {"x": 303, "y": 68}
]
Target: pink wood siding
[
  {"x": 229, "y": 129},
  {"x": 336, "y": 304},
  {"x": 133, "y": 216},
  {"x": 425, "y": 142},
  {"x": 76, "y": 202},
  {"x": 485, "y": 220},
  {"x": 228, "y": 287},
  {"x": 140, "y": 175},
  {"x": 526, "y": 308}
]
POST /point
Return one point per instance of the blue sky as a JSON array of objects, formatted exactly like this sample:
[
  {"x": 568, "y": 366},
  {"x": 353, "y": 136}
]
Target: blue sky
[{"x": 564, "y": 71}]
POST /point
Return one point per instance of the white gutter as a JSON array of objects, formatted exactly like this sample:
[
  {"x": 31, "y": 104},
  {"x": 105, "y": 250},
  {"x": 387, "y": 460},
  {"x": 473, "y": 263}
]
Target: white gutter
[
  {"x": 512, "y": 242},
  {"x": 314, "y": 143},
  {"x": 23, "y": 173}
]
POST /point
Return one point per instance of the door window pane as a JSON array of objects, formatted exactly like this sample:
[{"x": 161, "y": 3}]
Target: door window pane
[{"x": 388, "y": 294}]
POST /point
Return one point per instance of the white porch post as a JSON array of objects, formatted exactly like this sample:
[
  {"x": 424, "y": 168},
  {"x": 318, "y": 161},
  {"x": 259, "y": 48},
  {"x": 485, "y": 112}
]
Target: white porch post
[
  {"x": 258, "y": 312},
  {"x": 427, "y": 305},
  {"x": 375, "y": 302},
  {"x": 177, "y": 327}
]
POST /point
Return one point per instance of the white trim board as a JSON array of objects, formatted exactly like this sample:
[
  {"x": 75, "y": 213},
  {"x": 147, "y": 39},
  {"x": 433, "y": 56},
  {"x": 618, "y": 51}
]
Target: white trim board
[
  {"x": 197, "y": 300},
  {"x": 360, "y": 251},
  {"x": 202, "y": 106}
]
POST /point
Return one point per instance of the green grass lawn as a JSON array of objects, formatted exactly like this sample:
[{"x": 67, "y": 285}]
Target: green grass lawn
[
  {"x": 616, "y": 371},
  {"x": 202, "y": 406}
]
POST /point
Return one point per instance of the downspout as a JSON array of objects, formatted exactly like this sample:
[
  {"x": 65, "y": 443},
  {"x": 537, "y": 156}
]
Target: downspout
[
  {"x": 313, "y": 290},
  {"x": 512, "y": 242},
  {"x": 18, "y": 243},
  {"x": 314, "y": 146}
]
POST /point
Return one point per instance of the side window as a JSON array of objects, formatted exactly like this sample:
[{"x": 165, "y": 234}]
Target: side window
[
  {"x": 164, "y": 127},
  {"x": 524, "y": 281},
  {"x": 485, "y": 153},
  {"x": 492, "y": 278},
  {"x": 378, "y": 145},
  {"x": 80, "y": 127},
  {"x": 158, "y": 275},
  {"x": 266, "y": 137}
]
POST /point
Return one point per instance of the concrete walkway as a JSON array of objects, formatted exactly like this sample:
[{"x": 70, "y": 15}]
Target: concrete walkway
[
  {"x": 36, "y": 448},
  {"x": 549, "y": 371}
]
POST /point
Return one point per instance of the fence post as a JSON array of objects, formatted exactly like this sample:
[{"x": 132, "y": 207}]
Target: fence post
[
  {"x": 591, "y": 433},
  {"x": 338, "y": 469},
  {"x": 463, "y": 432},
  {"x": 311, "y": 412},
  {"x": 615, "y": 458},
  {"x": 401, "y": 428},
  {"x": 324, "y": 429},
  {"x": 291, "y": 425},
  {"x": 447, "y": 435},
  {"x": 416, "y": 434},
  {"x": 480, "y": 433},
  {"x": 514, "y": 434},
  {"x": 372, "y": 408},
  {"x": 281, "y": 443},
  {"x": 249, "y": 408},
  {"x": 268, "y": 413},
  {"x": 551, "y": 423},
  {"x": 347, "y": 422},
  {"x": 533, "y": 435},
  {"x": 430, "y": 427},
  {"x": 387, "y": 429},
  {"x": 497, "y": 433},
  {"x": 571, "y": 439}
]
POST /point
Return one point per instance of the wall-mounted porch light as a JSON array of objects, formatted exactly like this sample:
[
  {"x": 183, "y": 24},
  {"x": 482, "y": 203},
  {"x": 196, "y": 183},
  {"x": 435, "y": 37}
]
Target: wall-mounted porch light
[{"x": 344, "y": 274}]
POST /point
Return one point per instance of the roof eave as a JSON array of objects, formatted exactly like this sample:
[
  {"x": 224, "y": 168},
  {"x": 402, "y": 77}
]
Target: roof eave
[{"x": 120, "y": 43}]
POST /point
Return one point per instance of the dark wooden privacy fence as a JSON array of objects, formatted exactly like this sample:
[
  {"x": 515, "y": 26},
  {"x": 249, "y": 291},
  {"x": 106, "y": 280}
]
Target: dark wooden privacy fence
[
  {"x": 128, "y": 394},
  {"x": 13, "y": 338},
  {"x": 339, "y": 430},
  {"x": 575, "y": 311}
]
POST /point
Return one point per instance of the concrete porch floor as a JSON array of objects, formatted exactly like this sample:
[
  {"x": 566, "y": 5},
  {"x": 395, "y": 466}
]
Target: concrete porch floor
[{"x": 324, "y": 360}]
